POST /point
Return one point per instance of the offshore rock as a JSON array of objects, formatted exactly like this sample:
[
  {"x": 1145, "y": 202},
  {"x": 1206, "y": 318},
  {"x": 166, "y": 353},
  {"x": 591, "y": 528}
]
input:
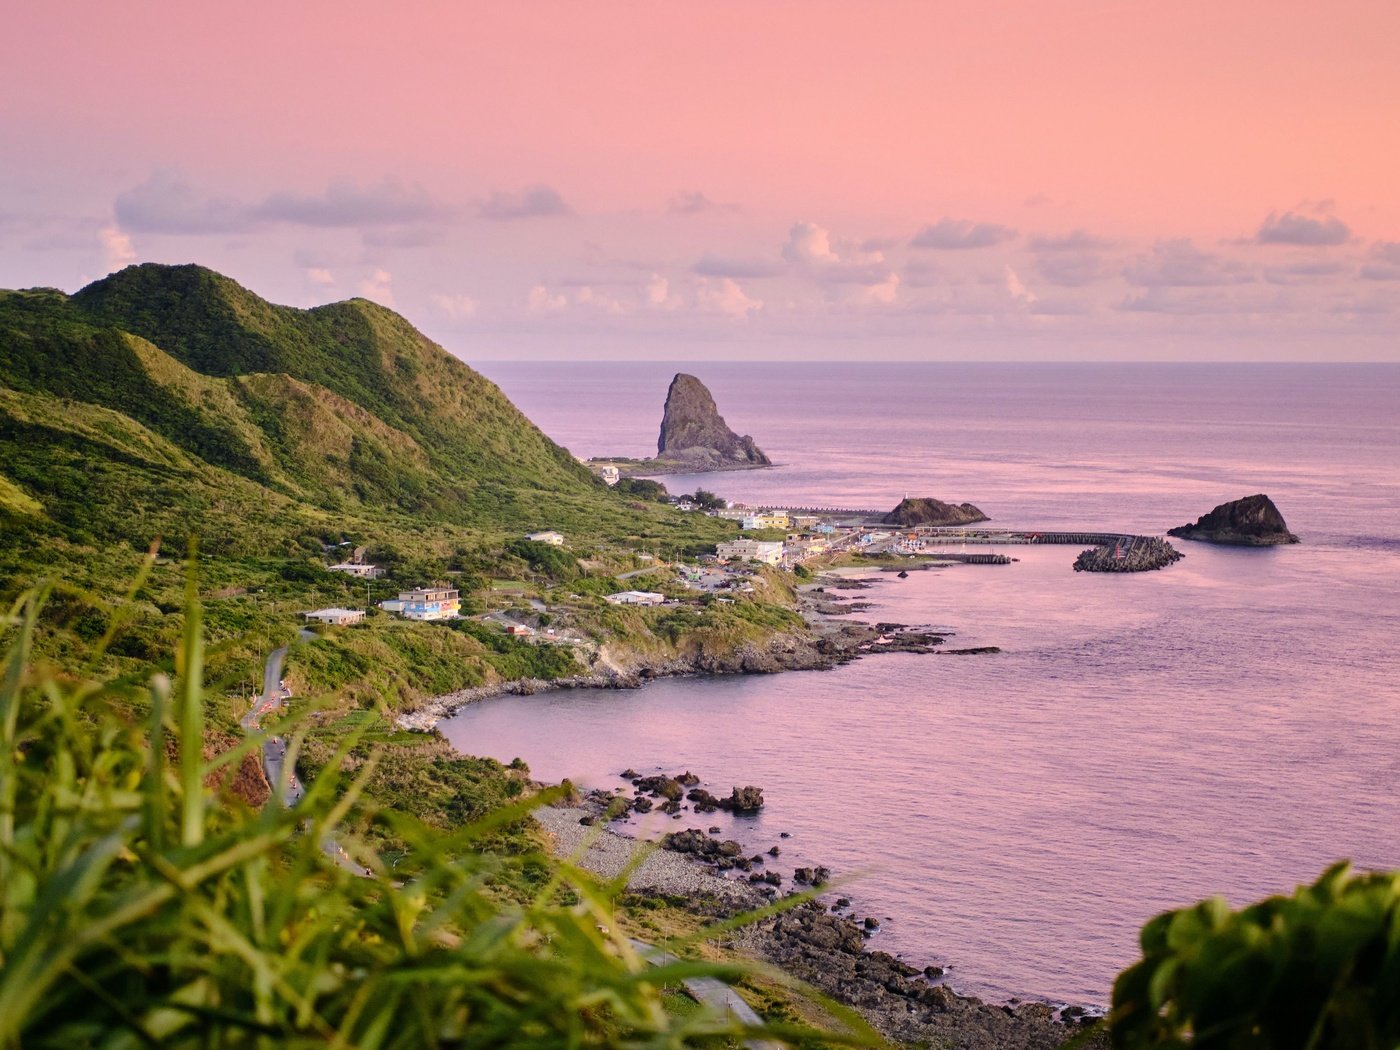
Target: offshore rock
[
  {"x": 1250, "y": 522},
  {"x": 1131, "y": 554},
  {"x": 693, "y": 431},
  {"x": 929, "y": 511}
]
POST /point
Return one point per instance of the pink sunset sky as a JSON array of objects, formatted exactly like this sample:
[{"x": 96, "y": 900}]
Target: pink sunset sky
[{"x": 978, "y": 180}]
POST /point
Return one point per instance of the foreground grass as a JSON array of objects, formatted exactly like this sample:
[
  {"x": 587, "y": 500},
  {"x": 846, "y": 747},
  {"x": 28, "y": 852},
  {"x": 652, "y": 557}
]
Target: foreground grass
[{"x": 139, "y": 905}]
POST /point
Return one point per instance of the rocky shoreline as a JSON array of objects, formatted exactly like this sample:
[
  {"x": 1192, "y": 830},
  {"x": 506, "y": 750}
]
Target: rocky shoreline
[
  {"x": 812, "y": 940},
  {"x": 828, "y": 642}
]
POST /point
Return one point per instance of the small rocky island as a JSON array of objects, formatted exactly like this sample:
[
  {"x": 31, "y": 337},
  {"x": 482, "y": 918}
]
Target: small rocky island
[
  {"x": 1129, "y": 554},
  {"x": 929, "y": 511},
  {"x": 694, "y": 437},
  {"x": 1250, "y": 522}
]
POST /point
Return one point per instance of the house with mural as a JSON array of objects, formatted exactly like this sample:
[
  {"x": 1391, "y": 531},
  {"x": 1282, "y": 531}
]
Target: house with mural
[
  {"x": 770, "y": 552},
  {"x": 425, "y": 603}
]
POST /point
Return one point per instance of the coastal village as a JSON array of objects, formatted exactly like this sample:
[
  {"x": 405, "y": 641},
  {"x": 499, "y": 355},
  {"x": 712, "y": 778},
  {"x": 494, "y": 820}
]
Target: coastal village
[{"x": 695, "y": 438}]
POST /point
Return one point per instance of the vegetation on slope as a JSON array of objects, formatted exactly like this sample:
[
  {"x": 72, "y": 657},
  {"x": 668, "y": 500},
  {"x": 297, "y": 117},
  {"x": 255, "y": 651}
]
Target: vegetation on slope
[{"x": 138, "y": 905}]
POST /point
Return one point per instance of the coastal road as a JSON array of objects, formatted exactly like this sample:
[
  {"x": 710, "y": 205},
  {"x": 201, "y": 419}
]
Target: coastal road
[
  {"x": 718, "y": 996},
  {"x": 282, "y": 777}
]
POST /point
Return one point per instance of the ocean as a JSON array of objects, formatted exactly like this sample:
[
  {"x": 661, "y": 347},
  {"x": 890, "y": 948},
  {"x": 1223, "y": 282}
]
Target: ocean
[{"x": 1229, "y": 725}]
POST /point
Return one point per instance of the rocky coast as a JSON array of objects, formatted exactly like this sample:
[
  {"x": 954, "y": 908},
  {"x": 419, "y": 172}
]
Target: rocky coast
[
  {"x": 828, "y": 641},
  {"x": 819, "y": 942}
]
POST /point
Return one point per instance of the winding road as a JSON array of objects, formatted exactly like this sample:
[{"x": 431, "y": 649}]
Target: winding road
[{"x": 281, "y": 776}]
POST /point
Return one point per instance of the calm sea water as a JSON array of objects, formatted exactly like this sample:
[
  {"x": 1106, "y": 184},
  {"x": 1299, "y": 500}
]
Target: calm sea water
[{"x": 1230, "y": 725}]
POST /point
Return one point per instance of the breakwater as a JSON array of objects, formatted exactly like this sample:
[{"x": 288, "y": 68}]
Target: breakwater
[{"x": 1137, "y": 554}]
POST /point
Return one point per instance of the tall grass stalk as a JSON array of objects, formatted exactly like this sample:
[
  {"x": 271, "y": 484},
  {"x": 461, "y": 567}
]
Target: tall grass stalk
[{"x": 139, "y": 906}]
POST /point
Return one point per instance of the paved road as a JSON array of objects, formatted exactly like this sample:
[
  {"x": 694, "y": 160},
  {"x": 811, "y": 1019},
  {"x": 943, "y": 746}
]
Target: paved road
[
  {"x": 281, "y": 777},
  {"x": 718, "y": 996}
]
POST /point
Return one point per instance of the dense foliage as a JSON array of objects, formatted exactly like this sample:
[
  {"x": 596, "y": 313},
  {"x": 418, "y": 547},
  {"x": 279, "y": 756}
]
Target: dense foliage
[
  {"x": 1317, "y": 970},
  {"x": 139, "y": 905},
  {"x": 166, "y": 400}
]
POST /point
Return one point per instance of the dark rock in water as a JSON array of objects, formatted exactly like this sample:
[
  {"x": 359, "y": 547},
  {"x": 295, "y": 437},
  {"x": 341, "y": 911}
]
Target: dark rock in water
[
  {"x": 775, "y": 851},
  {"x": 693, "y": 431},
  {"x": 688, "y": 779},
  {"x": 744, "y": 800},
  {"x": 642, "y": 804},
  {"x": 661, "y": 786},
  {"x": 1130, "y": 554},
  {"x": 704, "y": 801},
  {"x": 929, "y": 511},
  {"x": 903, "y": 575},
  {"x": 629, "y": 774},
  {"x": 1250, "y": 522}
]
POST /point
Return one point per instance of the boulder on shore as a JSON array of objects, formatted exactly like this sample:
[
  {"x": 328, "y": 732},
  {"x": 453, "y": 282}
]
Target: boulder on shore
[
  {"x": 926, "y": 510},
  {"x": 1250, "y": 522}
]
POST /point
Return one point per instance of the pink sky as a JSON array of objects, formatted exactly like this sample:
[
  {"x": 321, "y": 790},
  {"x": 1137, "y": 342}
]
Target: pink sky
[{"x": 1052, "y": 180}]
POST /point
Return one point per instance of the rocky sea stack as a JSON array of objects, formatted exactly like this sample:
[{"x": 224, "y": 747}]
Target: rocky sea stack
[
  {"x": 1250, "y": 522},
  {"x": 929, "y": 511},
  {"x": 695, "y": 434}
]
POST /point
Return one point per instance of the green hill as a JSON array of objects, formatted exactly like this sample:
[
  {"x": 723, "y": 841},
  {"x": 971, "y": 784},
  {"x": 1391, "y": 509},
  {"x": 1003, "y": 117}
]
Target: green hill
[{"x": 171, "y": 400}]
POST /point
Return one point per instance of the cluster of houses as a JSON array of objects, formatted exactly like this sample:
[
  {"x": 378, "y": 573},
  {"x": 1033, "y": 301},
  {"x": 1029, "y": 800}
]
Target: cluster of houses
[{"x": 811, "y": 537}]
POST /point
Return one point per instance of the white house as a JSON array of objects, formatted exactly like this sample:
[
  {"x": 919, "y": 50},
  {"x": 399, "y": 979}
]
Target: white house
[
  {"x": 359, "y": 570},
  {"x": 768, "y": 519},
  {"x": 635, "y": 598},
  {"x": 553, "y": 538},
  {"x": 770, "y": 552},
  {"x": 425, "y": 603},
  {"x": 338, "y": 617},
  {"x": 609, "y": 475}
]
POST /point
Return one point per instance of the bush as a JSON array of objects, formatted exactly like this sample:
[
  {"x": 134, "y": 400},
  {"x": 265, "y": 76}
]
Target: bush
[
  {"x": 1320, "y": 969},
  {"x": 141, "y": 905},
  {"x": 544, "y": 558}
]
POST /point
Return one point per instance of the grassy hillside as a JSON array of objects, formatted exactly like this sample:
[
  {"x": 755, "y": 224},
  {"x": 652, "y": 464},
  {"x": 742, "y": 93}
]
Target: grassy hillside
[
  {"x": 170, "y": 397},
  {"x": 170, "y": 403}
]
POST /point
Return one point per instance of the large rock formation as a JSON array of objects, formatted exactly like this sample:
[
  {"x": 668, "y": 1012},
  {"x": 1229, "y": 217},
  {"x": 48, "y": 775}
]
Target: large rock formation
[
  {"x": 1250, "y": 522},
  {"x": 929, "y": 511},
  {"x": 694, "y": 433}
]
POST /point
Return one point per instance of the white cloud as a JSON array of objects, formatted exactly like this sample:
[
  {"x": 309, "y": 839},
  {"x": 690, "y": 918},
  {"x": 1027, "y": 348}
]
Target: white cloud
[
  {"x": 320, "y": 275},
  {"x": 723, "y": 295},
  {"x": 588, "y": 296},
  {"x": 809, "y": 243},
  {"x": 961, "y": 235},
  {"x": 455, "y": 306},
  {"x": 542, "y": 301},
  {"x": 531, "y": 202},
  {"x": 1292, "y": 228},
  {"x": 1180, "y": 264},
  {"x": 885, "y": 292},
  {"x": 379, "y": 286},
  {"x": 117, "y": 247},
  {"x": 659, "y": 293},
  {"x": 812, "y": 251},
  {"x": 1016, "y": 289}
]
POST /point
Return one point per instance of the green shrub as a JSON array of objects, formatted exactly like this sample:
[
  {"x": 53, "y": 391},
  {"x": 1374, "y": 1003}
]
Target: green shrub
[
  {"x": 1317, "y": 970},
  {"x": 141, "y": 903}
]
